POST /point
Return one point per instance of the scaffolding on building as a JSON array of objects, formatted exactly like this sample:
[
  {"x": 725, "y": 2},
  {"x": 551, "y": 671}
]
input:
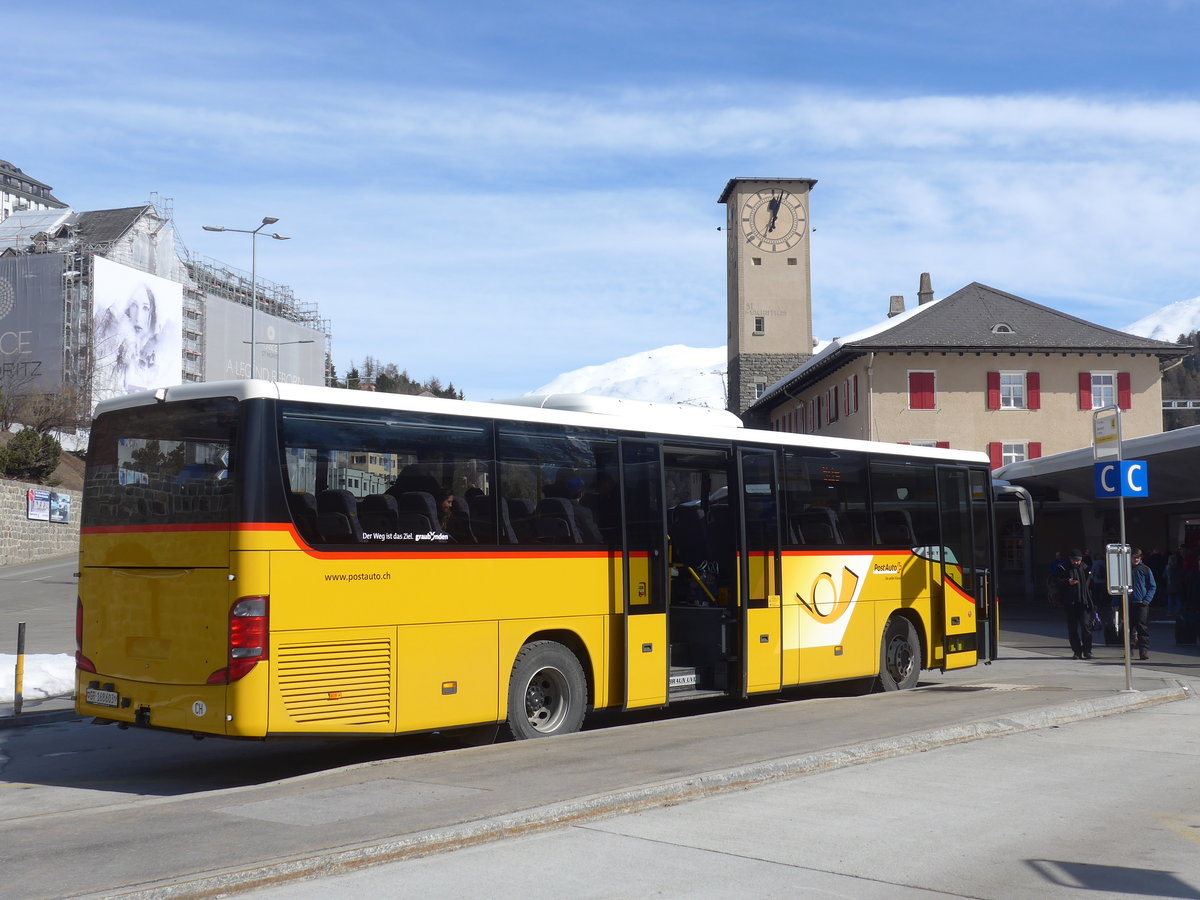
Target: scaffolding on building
[{"x": 218, "y": 279}]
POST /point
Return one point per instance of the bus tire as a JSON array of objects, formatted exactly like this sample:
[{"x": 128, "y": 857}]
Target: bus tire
[
  {"x": 547, "y": 692},
  {"x": 899, "y": 655}
]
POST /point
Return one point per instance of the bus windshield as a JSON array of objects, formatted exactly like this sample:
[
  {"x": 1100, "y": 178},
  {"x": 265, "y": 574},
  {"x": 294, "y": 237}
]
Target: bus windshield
[{"x": 168, "y": 468}]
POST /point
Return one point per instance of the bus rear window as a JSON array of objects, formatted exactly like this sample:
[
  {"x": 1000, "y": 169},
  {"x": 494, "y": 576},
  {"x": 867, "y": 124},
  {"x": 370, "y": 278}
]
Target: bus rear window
[{"x": 162, "y": 465}]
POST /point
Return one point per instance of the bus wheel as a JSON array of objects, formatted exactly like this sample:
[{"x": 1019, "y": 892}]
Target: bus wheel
[
  {"x": 899, "y": 655},
  {"x": 547, "y": 692}
]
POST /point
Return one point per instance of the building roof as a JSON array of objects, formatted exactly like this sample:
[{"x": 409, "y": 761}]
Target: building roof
[
  {"x": 19, "y": 229},
  {"x": 975, "y": 318},
  {"x": 101, "y": 226},
  {"x": 12, "y": 178},
  {"x": 734, "y": 181}
]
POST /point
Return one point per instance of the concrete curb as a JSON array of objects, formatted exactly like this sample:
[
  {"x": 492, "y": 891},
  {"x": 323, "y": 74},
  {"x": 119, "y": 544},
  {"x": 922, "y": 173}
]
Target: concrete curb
[
  {"x": 641, "y": 798},
  {"x": 45, "y": 711},
  {"x": 38, "y": 717}
]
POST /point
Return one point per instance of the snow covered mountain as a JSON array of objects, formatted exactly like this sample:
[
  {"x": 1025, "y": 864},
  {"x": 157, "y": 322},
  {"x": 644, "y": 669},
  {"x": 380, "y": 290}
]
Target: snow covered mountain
[
  {"x": 1168, "y": 323},
  {"x": 676, "y": 374}
]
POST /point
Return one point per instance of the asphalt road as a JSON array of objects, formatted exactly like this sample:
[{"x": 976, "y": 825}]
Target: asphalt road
[{"x": 43, "y": 596}]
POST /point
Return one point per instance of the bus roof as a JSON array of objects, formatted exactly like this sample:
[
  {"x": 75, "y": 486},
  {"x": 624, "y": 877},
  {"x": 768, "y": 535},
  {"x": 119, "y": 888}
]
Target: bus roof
[{"x": 564, "y": 409}]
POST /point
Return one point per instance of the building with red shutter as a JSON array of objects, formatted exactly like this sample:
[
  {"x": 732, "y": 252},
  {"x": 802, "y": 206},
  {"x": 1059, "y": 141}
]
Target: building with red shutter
[{"x": 980, "y": 369}]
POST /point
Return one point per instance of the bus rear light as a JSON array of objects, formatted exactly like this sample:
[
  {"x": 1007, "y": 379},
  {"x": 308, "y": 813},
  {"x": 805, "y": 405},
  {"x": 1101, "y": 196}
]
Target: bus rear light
[
  {"x": 81, "y": 661},
  {"x": 248, "y": 635}
]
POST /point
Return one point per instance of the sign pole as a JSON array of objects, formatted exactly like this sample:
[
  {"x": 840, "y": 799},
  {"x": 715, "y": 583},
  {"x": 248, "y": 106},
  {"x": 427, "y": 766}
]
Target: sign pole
[{"x": 1106, "y": 438}]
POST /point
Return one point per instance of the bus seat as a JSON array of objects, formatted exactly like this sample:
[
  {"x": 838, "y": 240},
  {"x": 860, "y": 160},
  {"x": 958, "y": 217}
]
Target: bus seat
[
  {"x": 304, "y": 513},
  {"x": 520, "y": 510},
  {"x": 894, "y": 526},
  {"x": 418, "y": 503},
  {"x": 379, "y": 513},
  {"x": 337, "y": 516},
  {"x": 720, "y": 532},
  {"x": 859, "y": 528},
  {"x": 818, "y": 526},
  {"x": 460, "y": 521},
  {"x": 554, "y": 519},
  {"x": 488, "y": 528}
]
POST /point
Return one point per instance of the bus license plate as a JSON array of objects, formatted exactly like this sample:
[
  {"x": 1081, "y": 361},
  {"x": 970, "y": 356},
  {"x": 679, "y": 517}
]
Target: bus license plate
[{"x": 97, "y": 697}]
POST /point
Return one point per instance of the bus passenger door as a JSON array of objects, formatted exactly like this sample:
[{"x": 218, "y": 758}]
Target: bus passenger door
[
  {"x": 963, "y": 582},
  {"x": 644, "y": 557},
  {"x": 759, "y": 571}
]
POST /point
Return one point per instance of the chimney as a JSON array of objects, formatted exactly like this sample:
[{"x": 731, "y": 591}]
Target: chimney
[
  {"x": 896, "y": 306},
  {"x": 925, "y": 292}
]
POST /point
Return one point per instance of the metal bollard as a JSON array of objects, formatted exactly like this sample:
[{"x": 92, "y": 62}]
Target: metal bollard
[{"x": 18, "y": 683}]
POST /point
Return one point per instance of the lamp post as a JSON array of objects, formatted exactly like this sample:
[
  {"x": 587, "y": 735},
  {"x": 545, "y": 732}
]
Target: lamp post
[{"x": 267, "y": 220}]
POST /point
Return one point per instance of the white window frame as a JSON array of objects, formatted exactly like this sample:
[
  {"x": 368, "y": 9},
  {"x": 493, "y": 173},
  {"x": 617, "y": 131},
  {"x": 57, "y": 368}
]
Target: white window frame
[
  {"x": 1099, "y": 389},
  {"x": 1013, "y": 451},
  {"x": 1015, "y": 393}
]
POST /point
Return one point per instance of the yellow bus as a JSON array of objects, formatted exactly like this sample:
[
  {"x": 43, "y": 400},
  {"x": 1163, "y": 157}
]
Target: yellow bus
[{"x": 264, "y": 560}]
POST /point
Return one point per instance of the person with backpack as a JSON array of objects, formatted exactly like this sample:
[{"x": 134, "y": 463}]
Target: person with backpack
[
  {"x": 1144, "y": 587},
  {"x": 1074, "y": 590}
]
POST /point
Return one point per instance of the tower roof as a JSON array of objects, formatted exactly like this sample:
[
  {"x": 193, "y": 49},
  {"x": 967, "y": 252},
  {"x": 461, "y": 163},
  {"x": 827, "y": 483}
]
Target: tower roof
[{"x": 733, "y": 183}]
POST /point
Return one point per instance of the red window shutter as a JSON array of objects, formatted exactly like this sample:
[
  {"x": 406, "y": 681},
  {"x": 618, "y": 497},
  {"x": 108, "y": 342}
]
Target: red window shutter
[
  {"x": 1033, "y": 390},
  {"x": 945, "y": 445},
  {"x": 921, "y": 390},
  {"x": 855, "y": 380},
  {"x": 1124, "y": 392},
  {"x": 1085, "y": 390},
  {"x": 993, "y": 390},
  {"x": 1035, "y": 449},
  {"x": 996, "y": 453}
]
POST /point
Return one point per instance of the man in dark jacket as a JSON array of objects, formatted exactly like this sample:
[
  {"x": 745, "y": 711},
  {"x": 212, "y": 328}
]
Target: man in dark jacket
[
  {"x": 1144, "y": 588},
  {"x": 1075, "y": 592}
]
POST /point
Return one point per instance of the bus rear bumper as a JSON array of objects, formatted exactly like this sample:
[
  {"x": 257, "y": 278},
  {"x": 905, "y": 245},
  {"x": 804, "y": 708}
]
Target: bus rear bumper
[{"x": 193, "y": 708}]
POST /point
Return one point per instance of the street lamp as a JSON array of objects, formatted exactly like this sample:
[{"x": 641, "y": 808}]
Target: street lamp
[{"x": 267, "y": 220}]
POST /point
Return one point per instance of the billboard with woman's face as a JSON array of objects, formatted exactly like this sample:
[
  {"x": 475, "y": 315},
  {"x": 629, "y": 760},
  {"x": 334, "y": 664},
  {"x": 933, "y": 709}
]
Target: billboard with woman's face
[{"x": 137, "y": 329}]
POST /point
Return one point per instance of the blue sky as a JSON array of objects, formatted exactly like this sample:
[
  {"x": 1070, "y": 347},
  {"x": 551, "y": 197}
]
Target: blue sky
[{"x": 497, "y": 193}]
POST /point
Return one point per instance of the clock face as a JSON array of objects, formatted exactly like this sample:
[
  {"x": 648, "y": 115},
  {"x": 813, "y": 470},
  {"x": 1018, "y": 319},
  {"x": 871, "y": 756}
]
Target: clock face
[{"x": 773, "y": 220}]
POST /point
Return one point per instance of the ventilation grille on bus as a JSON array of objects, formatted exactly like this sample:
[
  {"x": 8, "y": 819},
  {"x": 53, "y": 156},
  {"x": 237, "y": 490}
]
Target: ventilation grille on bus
[{"x": 343, "y": 682}]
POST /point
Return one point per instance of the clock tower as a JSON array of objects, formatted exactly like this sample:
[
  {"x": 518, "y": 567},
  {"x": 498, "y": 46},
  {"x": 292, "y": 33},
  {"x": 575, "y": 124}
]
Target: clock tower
[{"x": 769, "y": 282}]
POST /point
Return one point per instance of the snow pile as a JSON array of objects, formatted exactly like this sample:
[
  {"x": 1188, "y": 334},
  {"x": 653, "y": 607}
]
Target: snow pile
[{"x": 46, "y": 675}]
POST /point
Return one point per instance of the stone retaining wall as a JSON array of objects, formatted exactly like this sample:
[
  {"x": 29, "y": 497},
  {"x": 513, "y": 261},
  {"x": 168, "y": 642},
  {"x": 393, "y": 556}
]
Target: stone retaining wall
[{"x": 24, "y": 540}]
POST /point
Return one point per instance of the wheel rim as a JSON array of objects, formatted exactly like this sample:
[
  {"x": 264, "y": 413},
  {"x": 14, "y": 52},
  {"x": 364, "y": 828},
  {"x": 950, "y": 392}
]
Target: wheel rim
[
  {"x": 547, "y": 699},
  {"x": 900, "y": 659}
]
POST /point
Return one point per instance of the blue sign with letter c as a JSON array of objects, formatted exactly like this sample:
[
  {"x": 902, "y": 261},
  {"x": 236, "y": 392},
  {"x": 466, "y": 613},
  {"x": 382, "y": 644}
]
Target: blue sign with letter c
[{"x": 1127, "y": 478}]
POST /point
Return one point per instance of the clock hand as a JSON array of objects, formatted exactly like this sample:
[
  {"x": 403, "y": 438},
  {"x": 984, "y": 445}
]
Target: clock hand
[{"x": 773, "y": 208}]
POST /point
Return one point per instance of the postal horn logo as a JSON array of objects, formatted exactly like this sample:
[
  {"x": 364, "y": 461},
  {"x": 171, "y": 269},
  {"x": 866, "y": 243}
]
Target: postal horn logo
[
  {"x": 7, "y": 297},
  {"x": 827, "y": 601}
]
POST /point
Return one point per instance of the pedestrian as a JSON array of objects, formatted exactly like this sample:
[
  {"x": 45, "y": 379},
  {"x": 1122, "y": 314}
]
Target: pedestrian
[
  {"x": 1074, "y": 590},
  {"x": 1144, "y": 587}
]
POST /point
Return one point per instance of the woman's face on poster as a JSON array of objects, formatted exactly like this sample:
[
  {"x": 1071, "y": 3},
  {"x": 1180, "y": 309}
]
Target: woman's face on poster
[{"x": 140, "y": 310}]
